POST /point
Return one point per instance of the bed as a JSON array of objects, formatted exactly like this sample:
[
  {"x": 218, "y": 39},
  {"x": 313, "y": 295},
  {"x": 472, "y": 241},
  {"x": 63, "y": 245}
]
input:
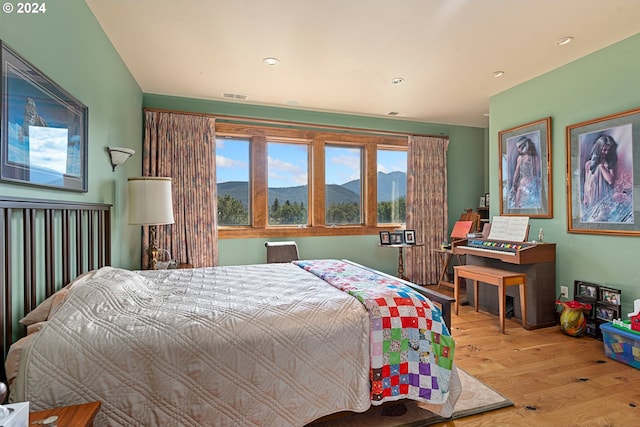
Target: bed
[{"x": 267, "y": 344}]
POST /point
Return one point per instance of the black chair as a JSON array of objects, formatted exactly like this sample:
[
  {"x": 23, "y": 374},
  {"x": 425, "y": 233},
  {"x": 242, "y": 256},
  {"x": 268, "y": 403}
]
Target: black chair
[{"x": 281, "y": 251}]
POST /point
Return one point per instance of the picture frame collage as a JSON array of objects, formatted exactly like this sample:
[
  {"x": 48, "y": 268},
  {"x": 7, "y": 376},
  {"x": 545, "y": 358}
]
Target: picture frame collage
[
  {"x": 398, "y": 237},
  {"x": 605, "y": 304}
]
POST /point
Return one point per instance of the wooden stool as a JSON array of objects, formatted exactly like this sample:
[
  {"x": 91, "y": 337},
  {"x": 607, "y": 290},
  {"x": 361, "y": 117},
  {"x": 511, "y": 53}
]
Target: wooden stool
[{"x": 495, "y": 277}]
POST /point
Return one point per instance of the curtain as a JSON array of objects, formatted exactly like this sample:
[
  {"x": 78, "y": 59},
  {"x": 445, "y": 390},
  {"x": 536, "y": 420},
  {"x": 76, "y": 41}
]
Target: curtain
[
  {"x": 427, "y": 211},
  {"x": 182, "y": 146}
]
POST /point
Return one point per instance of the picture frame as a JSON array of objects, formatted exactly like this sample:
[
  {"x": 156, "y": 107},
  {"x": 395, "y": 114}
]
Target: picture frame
[
  {"x": 585, "y": 290},
  {"x": 601, "y": 171},
  {"x": 591, "y": 314},
  {"x": 385, "y": 238},
  {"x": 409, "y": 237},
  {"x": 43, "y": 129},
  {"x": 607, "y": 312},
  {"x": 526, "y": 187},
  {"x": 486, "y": 200},
  {"x": 396, "y": 238},
  {"x": 609, "y": 295},
  {"x": 593, "y": 329}
]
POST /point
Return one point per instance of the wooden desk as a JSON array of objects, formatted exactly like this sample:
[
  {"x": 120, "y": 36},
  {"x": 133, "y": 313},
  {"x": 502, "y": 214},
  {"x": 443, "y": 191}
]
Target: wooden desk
[
  {"x": 70, "y": 416},
  {"x": 496, "y": 277}
]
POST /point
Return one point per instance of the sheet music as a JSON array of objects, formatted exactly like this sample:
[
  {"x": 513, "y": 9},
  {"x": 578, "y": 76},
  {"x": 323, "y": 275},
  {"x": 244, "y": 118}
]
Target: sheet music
[{"x": 513, "y": 228}]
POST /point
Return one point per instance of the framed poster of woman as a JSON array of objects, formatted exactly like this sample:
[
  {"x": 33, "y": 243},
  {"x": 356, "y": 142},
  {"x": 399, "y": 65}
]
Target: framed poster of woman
[{"x": 525, "y": 170}]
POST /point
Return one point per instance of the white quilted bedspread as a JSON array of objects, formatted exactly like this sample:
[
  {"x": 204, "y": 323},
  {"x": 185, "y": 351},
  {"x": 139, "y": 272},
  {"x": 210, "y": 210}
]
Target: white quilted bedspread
[{"x": 257, "y": 345}]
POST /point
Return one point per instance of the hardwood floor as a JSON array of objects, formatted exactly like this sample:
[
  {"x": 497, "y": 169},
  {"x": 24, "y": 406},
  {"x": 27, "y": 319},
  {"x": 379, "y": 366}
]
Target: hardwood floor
[{"x": 553, "y": 379}]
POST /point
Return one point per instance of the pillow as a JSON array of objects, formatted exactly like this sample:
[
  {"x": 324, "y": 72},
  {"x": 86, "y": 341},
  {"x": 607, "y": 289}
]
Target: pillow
[
  {"x": 38, "y": 314},
  {"x": 47, "y": 308},
  {"x": 58, "y": 299},
  {"x": 35, "y": 327}
]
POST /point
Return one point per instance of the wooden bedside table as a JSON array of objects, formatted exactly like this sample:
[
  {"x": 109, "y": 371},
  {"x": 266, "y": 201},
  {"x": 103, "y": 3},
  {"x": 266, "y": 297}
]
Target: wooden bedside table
[{"x": 70, "y": 416}]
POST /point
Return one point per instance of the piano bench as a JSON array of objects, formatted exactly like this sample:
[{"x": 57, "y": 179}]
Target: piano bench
[{"x": 495, "y": 277}]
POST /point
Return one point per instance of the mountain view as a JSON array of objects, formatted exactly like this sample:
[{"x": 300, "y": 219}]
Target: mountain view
[{"x": 336, "y": 194}]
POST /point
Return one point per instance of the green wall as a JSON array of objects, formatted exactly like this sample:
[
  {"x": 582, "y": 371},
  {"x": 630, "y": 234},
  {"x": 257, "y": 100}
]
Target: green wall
[
  {"x": 600, "y": 84},
  {"x": 466, "y": 176},
  {"x": 68, "y": 45}
]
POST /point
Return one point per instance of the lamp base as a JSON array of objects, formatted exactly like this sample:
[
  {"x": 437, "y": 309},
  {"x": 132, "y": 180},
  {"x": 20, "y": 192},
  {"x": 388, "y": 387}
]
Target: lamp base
[{"x": 152, "y": 251}]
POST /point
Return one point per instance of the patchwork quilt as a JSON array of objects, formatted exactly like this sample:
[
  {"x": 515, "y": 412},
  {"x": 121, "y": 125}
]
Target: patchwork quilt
[{"x": 411, "y": 349}]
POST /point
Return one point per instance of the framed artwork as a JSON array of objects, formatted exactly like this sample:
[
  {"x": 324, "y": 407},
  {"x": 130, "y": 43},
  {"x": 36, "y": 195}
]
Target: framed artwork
[
  {"x": 410, "y": 237},
  {"x": 525, "y": 170},
  {"x": 607, "y": 312},
  {"x": 397, "y": 238},
  {"x": 610, "y": 295},
  {"x": 601, "y": 172},
  {"x": 385, "y": 238},
  {"x": 43, "y": 129},
  {"x": 591, "y": 314},
  {"x": 586, "y": 290}
]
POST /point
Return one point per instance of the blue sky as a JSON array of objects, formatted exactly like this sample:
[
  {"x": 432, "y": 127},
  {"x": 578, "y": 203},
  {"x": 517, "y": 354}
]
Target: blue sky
[{"x": 288, "y": 163}]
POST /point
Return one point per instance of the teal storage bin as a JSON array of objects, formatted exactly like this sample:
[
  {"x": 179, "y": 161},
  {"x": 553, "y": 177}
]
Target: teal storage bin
[{"x": 621, "y": 345}]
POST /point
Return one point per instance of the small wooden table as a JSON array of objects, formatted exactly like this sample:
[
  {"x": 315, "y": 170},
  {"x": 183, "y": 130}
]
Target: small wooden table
[
  {"x": 495, "y": 277},
  {"x": 401, "y": 257},
  {"x": 70, "y": 416}
]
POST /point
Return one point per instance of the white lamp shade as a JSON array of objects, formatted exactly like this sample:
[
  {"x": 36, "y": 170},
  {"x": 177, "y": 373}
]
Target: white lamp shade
[{"x": 150, "y": 201}]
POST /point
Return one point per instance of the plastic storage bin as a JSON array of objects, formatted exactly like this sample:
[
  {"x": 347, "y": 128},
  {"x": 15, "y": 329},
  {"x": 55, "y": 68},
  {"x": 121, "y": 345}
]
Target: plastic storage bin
[{"x": 621, "y": 345}]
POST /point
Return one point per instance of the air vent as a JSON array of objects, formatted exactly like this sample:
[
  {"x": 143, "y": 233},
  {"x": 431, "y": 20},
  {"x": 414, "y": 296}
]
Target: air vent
[{"x": 234, "y": 96}]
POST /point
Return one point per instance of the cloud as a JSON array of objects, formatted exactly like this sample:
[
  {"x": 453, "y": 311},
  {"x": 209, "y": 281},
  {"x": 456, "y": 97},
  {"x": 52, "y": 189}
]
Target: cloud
[
  {"x": 286, "y": 172},
  {"x": 225, "y": 162}
]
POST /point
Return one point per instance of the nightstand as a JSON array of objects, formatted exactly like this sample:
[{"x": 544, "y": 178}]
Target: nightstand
[{"x": 70, "y": 416}]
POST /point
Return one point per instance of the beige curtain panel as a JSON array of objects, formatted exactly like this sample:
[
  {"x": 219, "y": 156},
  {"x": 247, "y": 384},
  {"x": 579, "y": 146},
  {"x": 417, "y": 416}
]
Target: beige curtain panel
[
  {"x": 427, "y": 211},
  {"x": 182, "y": 146}
]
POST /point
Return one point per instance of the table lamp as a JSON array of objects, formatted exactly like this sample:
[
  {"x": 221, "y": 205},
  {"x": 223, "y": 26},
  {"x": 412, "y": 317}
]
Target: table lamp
[{"x": 150, "y": 204}]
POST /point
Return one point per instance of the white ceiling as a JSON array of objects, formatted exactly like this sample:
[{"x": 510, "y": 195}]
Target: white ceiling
[{"x": 340, "y": 55}]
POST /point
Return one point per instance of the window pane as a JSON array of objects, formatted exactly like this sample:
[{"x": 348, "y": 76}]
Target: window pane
[
  {"x": 343, "y": 190},
  {"x": 288, "y": 196},
  {"x": 392, "y": 186},
  {"x": 232, "y": 181}
]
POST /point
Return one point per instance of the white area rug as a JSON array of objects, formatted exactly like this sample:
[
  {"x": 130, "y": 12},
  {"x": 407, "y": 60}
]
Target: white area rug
[{"x": 476, "y": 398}]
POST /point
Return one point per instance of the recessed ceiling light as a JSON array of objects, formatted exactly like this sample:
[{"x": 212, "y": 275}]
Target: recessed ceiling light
[
  {"x": 565, "y": 40},
  {"x": 397, "y": 81},
  {"x": 271, "y": 61},
  {"x": 498, "y": 73}
]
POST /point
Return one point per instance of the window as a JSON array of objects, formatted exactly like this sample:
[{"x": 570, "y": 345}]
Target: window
[
  {"x": 343, "y": 185},
  {"x": 232, "y": 181},
  {"x": 392, "y": 186},
  {"x": 286, "y": 180},
  {"x": 288, "y": 187}
]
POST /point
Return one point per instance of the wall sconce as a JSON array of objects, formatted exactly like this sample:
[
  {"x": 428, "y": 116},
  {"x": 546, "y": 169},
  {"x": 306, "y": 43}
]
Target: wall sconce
[
  {"x": 119, "y": 155},
  {"x": 150, "y": 204}
]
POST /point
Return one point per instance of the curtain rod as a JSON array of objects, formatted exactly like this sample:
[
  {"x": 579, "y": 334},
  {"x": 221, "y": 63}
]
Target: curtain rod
[{"x": 242, "y": 119}]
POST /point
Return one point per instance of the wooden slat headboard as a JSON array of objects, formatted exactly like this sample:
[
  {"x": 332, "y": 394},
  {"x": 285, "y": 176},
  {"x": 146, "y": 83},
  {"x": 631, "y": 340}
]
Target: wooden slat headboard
[{"x": 44, "y": 244}]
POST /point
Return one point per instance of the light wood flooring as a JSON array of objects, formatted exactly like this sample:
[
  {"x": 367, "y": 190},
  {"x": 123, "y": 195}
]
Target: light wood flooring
[{"x": 553, "y": 379}]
